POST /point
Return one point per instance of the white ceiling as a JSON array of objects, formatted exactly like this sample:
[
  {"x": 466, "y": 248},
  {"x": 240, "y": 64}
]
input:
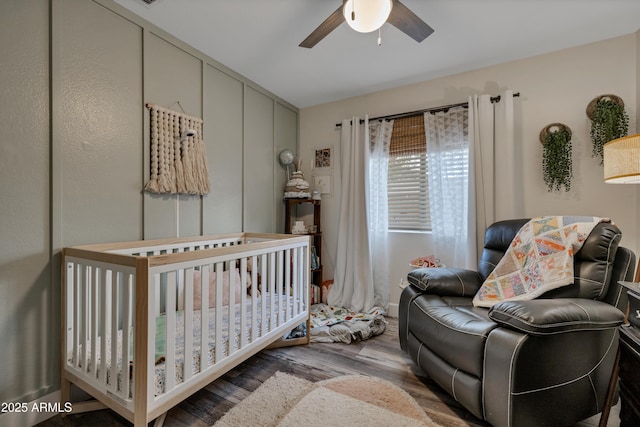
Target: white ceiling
[{"x": 259, "y": 39}]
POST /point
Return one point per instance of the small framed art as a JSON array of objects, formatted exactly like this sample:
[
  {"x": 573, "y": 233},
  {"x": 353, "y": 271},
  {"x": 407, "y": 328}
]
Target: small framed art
[{"x": 322, "y": 158}]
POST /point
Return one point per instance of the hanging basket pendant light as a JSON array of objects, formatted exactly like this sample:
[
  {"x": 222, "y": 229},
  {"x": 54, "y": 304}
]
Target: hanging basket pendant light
[{"x": 366, "y": 16}]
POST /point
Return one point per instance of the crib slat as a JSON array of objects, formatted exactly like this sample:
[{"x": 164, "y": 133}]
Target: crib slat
[
  {"x": 254, "y": 298},
  {"x": 170, "y": 364},
  {"x": 243, "y": 302},
  {"x": 127, "y": 285},
  {"x": 219, "y": 352},
  {"x": 95, "y": 315},
  {"x": 287, "y": 282},
  {"x": 77, "y": 283},
  {"x": 279, "y": 285},
  {"x": 265, "y": 290},
  {"x": 305, "y": 259},
  {"x": 113, "y": 380},
  {"x": 188, "y": 324},
  {"x": 104, "y": 324},
  {"x": 157, "y": 308},
  {"x": 67, "y": 321},
  {"x": 305, "y": 256},
  {"x": 204, "y": 317},
  {"x": 296, "y": 290},
  {"x": 154, "y": 295},
  {"x": 231, "y": 322},
  {"x": 181, "y": 282},
  {"x": 272, "y": 290},
  {"x": 82, "y": 314}
]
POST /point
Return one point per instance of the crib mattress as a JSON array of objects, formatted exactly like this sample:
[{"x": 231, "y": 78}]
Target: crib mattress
[{"x": 233, "y": 342}]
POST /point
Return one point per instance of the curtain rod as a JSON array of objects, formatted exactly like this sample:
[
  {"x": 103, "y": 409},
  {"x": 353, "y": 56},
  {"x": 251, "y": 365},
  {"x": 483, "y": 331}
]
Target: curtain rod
[{"x": 432, "y": 110}]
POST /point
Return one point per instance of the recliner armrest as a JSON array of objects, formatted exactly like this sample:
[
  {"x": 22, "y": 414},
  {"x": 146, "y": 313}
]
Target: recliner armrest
[
  {"x": 554, "y": 316},
  {"x": 446, "y": 281}
]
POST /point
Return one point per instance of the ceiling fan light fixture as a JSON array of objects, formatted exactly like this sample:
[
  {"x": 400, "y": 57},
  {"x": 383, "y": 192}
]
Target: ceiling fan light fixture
[{"x": 366, "y": 16}]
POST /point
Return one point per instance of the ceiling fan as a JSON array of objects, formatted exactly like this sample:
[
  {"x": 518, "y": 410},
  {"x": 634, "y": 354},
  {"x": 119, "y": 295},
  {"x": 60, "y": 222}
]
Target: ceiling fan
[{"x": 366, "y": 16}]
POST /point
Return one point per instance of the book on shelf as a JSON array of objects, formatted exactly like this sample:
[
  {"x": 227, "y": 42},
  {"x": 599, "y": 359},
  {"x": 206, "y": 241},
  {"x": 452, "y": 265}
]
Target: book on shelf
[
  {"x": 315, "y": 259},
  {"x": 316, "y": 296}
]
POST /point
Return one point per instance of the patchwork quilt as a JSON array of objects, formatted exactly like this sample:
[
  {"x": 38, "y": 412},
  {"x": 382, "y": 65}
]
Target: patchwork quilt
[{"x": 539, "y": 259}]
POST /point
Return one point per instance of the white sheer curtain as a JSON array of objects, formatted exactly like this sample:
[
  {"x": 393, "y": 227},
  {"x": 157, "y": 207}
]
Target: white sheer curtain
[
  {"x": 378, "y": 213},
  {"x": 494, "y": 182},
  {"x": 353, "y": 276},
  {"x": 447, "y": 163}
]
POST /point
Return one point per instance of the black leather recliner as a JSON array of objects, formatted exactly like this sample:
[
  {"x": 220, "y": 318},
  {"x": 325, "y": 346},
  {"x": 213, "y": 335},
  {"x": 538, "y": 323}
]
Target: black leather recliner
[{"x": 544, "y": 362}]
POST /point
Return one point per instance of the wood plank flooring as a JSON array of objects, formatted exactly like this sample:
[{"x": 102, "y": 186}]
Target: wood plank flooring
[{"x": 380, "y": 357}]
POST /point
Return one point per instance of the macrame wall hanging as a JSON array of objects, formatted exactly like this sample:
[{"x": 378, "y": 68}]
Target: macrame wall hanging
[{"x": 178, "y": 154}]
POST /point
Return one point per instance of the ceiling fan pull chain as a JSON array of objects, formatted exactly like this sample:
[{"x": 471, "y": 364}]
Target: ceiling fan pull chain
[
  {"x": 380, "y": 36},
  {"x": 353, "y": 11}
]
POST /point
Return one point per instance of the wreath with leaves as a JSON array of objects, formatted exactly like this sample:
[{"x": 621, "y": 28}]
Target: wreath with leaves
[
  {"x": 557, "y": 169},
  {"x": 609, "y": 121}
]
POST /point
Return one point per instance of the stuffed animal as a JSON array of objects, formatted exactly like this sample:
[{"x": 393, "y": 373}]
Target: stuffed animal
[{"x": 213, "y": 277}]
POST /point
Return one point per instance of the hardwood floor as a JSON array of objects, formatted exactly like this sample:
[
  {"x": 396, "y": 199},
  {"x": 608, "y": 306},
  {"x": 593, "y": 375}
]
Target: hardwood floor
[{"x": 380, "y": 357}]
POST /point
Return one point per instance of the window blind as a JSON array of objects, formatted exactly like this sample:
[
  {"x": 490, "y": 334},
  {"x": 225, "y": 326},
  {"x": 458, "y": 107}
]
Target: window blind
[{"x": 407, "y": 180}]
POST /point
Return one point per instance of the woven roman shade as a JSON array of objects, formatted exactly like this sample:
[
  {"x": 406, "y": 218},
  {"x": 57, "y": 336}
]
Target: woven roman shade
[{"x": 408, "y": 136}]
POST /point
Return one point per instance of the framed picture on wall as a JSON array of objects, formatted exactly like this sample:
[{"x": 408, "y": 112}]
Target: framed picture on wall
[{"x": 322, "y": 158}]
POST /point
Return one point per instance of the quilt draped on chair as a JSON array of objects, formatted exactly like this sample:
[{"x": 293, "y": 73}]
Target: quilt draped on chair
[{"x": 539, "y": 259}]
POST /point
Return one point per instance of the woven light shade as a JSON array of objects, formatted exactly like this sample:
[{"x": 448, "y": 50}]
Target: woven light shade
[{"x": 622, "y": 160}]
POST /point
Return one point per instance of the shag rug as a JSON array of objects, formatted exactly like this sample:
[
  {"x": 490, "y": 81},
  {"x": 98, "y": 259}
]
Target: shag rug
[{"x": 352, "y": 400}]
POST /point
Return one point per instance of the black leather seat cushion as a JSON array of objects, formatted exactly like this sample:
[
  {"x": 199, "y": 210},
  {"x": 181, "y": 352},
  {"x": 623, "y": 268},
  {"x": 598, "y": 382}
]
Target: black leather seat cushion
[{"x": 455, "y": 330}]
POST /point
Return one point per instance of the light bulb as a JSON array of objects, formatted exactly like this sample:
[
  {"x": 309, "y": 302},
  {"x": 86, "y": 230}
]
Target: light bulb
[{"x": 366, "y": 16}]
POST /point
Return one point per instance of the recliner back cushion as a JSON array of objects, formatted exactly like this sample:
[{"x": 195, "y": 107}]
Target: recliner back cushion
[
  {"x": 593, "y": 263},
  {"x": 497, "y": 240}
]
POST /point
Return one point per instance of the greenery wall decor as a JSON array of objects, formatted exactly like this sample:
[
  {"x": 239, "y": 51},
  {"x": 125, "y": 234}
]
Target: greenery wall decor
[
  {"x": 557, "y": 168},
  {"x": 609, "y": 121}
]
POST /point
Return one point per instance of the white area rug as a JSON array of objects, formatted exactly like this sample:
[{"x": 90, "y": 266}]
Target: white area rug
[{"x": 353, "y": 400}]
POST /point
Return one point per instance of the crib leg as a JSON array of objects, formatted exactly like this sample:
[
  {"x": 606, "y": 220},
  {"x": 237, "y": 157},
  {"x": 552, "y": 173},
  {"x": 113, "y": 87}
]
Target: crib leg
[
  {"x": 65, "y": 392},
  {"x": 88, "y": 406},
  {"x": 160, "y": 420}
]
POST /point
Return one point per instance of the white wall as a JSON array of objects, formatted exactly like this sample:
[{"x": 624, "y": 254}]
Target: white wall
[{"x": 554, "y": 87}]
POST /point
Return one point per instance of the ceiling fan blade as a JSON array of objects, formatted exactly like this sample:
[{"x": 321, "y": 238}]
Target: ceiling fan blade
[
  {"x": 323, "y": 30},
  {"x": 408, "y": 22}
]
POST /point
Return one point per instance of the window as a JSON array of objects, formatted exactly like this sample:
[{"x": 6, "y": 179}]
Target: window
[{"x": 407, "y": 181}]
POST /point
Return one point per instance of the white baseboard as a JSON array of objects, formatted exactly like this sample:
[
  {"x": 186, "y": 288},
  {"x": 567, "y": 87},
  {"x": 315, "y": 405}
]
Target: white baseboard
[
  {"x": 30, "y": 413},
  {"x": 393, "y": 310}
]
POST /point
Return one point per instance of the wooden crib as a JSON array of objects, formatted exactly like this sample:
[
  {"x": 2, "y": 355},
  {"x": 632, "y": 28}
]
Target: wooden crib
[{"x": 146, "y": 324}]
